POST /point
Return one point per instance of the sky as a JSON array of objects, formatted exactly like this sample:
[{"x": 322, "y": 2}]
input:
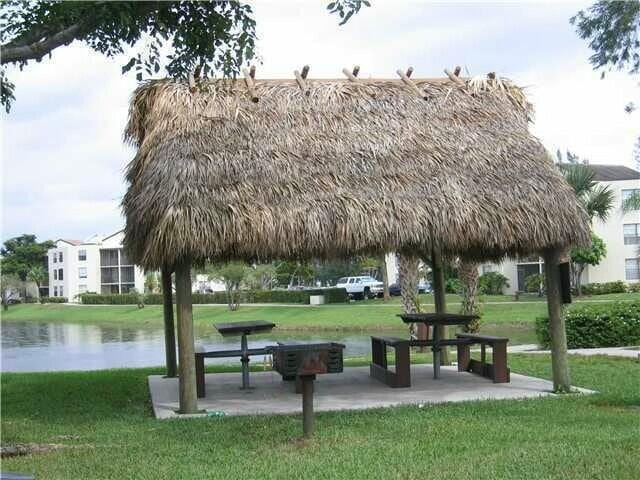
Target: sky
[{"x": 63, "y": 157}]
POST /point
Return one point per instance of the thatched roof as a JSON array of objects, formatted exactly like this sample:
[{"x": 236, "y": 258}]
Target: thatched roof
[{"x": 329, "y": 168}]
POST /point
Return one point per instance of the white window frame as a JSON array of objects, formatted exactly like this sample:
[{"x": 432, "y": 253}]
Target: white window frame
[
  {"x": 82, "y": 270},
  {"x": 81, "y": 254},
  {"x": 637, "y": 269},
  {"x": 627, "y": 192},
  {"x": 632, "y": 239}
]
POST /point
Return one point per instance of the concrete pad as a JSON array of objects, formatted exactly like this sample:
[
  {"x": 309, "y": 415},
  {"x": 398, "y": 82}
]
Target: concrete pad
[{"x": 353, "y": 389}]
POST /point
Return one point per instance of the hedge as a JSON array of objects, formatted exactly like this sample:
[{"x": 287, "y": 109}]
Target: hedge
[
  {"x": 332, "y": 295},
  {"x": 53, "y": 300},
  {"x": 604, "y": 288},
  {"x": 633, "y": 287},
  {"x": 590, "y": 326}
]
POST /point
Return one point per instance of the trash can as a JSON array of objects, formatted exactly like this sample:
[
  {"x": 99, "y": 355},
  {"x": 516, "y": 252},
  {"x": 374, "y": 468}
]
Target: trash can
[{"x": 316, "y": 300}]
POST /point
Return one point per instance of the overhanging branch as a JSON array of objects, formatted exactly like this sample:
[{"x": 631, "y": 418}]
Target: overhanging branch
[{"x": 36, "y": 50}]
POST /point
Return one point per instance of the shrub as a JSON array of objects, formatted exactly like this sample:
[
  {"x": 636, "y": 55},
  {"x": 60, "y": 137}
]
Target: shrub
[
  {"x": 534, "y": 283},
  {"x": 53, "y": 299},
  {"x": 452, "y": 285},
  {"x": 492, "y": 283},
  {"x": 633, "y": 287},
  {"x": 604, "y": 288},
  {"x": 332, "y": 295},
  {"x": 114, "y": 299},
  {"x": 590, "y": 326}
]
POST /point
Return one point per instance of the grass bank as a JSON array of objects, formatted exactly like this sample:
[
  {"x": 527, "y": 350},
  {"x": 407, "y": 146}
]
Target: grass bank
[
  {"x": 370, "y": 315},
  {"x": 102, "y": 422}
]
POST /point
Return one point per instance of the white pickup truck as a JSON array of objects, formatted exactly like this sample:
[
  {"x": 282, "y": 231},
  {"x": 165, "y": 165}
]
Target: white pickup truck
[{"x": 361, "y": 287}]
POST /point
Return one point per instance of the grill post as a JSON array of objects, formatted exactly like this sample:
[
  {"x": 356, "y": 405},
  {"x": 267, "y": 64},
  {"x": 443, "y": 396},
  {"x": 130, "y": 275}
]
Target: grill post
[{"x": 307, "y": 405}]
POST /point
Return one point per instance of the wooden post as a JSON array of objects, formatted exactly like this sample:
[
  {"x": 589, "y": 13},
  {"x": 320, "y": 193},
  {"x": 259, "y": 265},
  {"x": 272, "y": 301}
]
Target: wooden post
[
  {"x": 440, "y": 300},
  {"x": 169, "y": 329},
  {"x": 559, "y": 360},
  {"x": 186, "y": 354}
]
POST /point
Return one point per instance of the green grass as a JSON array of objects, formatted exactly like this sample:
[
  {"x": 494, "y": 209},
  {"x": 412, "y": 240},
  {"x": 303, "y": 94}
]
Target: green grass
[
  {"x": 103, "y": 419},
  {"x": 370, "y": 315}
]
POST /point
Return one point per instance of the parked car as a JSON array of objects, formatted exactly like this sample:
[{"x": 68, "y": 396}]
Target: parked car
[
  {"x": 395, "y": 290},
  {"x": 361, "y": 287}
]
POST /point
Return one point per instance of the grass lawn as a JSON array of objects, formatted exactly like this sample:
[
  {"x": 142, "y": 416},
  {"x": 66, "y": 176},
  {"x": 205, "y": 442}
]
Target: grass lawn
[
  {"x": 103, "y": 422},
  {"x": 370, "y": 315}
]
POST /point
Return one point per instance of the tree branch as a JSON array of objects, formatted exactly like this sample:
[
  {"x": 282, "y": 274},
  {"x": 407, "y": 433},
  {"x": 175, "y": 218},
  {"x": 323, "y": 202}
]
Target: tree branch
[{"x": 37, "y": 50}]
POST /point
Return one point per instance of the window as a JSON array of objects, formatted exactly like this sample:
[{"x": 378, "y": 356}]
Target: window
[
  {"x": 127, "y": 275},
  {"x": 60, "y": 257},
  {"x": 631, "y": 233},
  {"x": 82, "y": 272},
  {"x": 632, "y": 269},
  {"x": 109, "y": 258},
  {"x": 82, "y": 255},
  {"x": 82, "y": 288},
  {"x": 123, "y": 258},
  {"x": 627, "y": 193},
  {"x": 55, "y": 274},
  {"x": 109, "y": 275},
  {"x": 487, "y": 268},
  {"x": 127, "y": 287},
  {"x": 109, "y": 289},
  {"x": 55, "y": 257},
  {"x": 55, "y": 291},
  {"x": 60, "y": 274},
  {"x": 61, "y": 291}
]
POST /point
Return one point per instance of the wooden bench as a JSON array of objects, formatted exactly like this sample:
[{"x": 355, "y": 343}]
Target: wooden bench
[
  {"x": 401, "y": 377},
  {"x": 200, "y": 356},
  {"x": 498, "y": 370}
]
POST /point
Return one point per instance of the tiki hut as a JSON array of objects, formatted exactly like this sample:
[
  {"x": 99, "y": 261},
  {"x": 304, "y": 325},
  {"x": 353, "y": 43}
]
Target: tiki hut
[{"x": 306, "y": 168}]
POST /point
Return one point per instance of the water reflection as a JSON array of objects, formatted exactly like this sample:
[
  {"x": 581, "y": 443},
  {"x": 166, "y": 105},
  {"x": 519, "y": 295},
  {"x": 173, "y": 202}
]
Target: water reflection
[{"x": 31, "y": 346}]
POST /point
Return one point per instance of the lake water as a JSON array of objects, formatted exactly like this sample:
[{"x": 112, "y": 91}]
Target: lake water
[{"x": 37, "y": 347}]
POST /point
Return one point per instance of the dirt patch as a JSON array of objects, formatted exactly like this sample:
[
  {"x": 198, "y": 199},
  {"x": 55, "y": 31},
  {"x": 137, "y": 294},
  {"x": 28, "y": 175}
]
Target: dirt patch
[{"x": 18, "y": 449}]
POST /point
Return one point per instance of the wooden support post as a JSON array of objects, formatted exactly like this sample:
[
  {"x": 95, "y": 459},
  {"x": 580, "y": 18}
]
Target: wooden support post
[
  {"x": 559, "y": 360},
  {"x": 192, "y": 82},
  {"x": 440, "y": 300},
  {"x": 186, "y": 353},
  {"x": 349, "y": 75},
  {"x": 248, "y": 80},
  {"x": 454, "y": 78},
  {"x": 307, "y": 405},
  {"x": 169, "y": 328},
  {"x": 409, "y": 83}
]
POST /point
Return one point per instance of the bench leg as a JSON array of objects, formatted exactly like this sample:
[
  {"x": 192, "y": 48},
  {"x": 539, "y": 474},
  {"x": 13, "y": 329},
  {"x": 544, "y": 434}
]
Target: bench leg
[
  {"x": 200, "y": 376},
  {"x": 378, "y": 353},
  {"x": 403, "y": 366},
  {"x": 464, "y": 356},
  {"x": 500, "y": 369}
]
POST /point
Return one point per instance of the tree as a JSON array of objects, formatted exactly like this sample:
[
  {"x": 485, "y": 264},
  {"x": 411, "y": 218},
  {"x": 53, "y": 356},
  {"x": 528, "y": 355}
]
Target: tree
[
  {"x": 469, "y": 278},
  {"x": 596, "y": 199},
  {"x": 263, "y": 276},
  {"x": 37, "y": 275},
  {"x": 233, "y": 275},
  {"x": 181, "y": 37},
  {"x": 10, "y": 284},
  {"x": 612, "y": 29},
  {"x": 583, "y": 256},
  {"x": 21, "y": 254}
]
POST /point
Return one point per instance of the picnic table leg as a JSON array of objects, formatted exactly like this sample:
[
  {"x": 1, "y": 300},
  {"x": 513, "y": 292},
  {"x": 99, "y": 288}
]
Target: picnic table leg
[
  {"x": 307, "y": 405},
  {"x": 436, "y": 352},
  {"x": 245, "y": 361}
]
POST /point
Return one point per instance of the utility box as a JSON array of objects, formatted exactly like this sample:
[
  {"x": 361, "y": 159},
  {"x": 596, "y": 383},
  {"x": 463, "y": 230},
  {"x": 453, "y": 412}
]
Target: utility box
[{"x": 316, "y": 300}]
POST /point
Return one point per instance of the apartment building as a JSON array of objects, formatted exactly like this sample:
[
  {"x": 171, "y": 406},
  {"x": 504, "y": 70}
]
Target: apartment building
[{"x": 97, "y": 264}]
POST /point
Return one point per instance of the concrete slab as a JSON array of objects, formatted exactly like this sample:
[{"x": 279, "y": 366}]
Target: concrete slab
[{"x": 353, "y": 389}]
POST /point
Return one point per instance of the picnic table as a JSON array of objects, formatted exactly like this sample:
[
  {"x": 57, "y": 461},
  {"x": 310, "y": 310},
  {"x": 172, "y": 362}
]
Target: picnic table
[
  {"x": 229, "y": 329},
  {"x": 435, "y": 320}
]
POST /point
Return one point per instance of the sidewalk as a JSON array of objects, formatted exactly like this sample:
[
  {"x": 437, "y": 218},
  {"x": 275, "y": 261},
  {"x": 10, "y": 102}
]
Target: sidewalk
[{"x": 624, "y": 352}]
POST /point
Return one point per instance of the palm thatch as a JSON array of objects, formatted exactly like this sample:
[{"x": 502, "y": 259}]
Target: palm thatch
[{"x": 268, "y": 168}]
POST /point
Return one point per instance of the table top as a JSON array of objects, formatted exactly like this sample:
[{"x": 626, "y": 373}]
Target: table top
[
  {"x": 437, "y": 318},
  {"x": 301, "y": 346},
  {"x": 244, "y": 328}
]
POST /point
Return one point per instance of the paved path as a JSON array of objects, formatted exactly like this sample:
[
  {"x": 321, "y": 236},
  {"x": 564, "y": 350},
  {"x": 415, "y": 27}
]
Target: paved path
[{"x": 625, "y": 352}]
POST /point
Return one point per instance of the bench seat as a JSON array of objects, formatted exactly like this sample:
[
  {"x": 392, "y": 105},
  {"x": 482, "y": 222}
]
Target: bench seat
[
  {"x": 498, "y": 370},
  {"x": 378, "y": 368}
]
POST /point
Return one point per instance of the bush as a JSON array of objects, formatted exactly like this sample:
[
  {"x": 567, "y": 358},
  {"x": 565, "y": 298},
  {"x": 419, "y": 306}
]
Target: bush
[
  {"x": 53, "y": 299},
  {"x": 114, "y": 299},
  {"x": 535, "y": 283},
  {"x": 332, "y": 295},
  {"x": 492, "y": 283},
  {"x": 633, "y": 287},
  {"x": 452, "y": 285},
  {"x": 604, "y": 288},
  {"x": 590, "y": 326}
]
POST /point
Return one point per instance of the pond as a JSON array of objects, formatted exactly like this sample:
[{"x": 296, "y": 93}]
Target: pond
[{"x": 38, "y": 347}]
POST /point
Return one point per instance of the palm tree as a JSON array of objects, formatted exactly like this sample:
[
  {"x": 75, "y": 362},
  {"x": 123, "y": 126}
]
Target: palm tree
[
  {"x": 631, "y": 204},
  {"x": 37, "y": 275},
  {"x": 596, "y": 199}
]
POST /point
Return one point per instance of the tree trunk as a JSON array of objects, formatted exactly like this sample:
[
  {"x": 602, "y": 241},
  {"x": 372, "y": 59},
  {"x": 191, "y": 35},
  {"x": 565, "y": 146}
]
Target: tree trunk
[
  {"x": 559, "y": 361},
  {"x": 187, "y": 365},
  {"x": 385, "y": 280},
  {"x": 408, "y": 272},
  {"x": 469, "y": 277},
  {"x": 169, "y": 329},
  {"x": 440, "y": 300}
]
